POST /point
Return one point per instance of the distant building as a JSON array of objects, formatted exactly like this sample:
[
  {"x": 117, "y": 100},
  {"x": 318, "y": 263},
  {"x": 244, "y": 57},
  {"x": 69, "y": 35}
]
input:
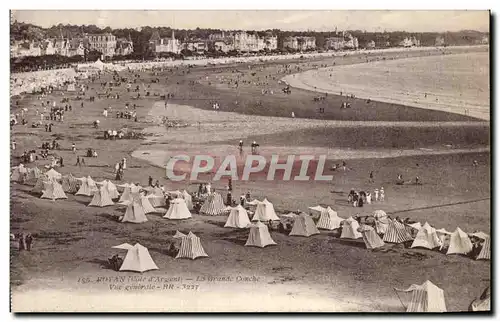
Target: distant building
[
  {"x": 224, "y": 45},
  {"x": 299, "y": 43},
  {"x": 485, "y": 40},
  {"x": 247, "y": 42},
  {"x": 124, "y": 47},
  {"x": 409, "y": 42},
  {"x": 341, "y": 41},
  {"x": 370, "y": 44},
  {"x": 77, "y": 46},
  {"x": 164, "y": 45},
  {"x": 196, "y": 46},
  {"x": 25, "y": 49},
  {"x": 439, "y": 41},
  {"x": 104, "y": 43}
]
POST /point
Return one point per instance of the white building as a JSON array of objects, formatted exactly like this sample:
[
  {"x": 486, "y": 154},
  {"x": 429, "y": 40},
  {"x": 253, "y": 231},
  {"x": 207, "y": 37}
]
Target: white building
[
  {"x": 299, "y": 43},
  {"x": 104, "y": 43},
  {"x": 164, "y": 45}
]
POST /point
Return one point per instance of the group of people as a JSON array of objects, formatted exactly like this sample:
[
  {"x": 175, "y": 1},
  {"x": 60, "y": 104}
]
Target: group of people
[
  {"x": 253, "y": 146},
  {"x": 358, "y": 199}
]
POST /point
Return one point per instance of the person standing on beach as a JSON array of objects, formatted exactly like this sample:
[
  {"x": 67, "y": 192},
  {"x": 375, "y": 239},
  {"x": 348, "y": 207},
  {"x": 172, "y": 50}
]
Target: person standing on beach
[
  {"x": 376, "y": 194},
  {"x": 382, "y": 194},
  {"x": 371, "y": 176}
]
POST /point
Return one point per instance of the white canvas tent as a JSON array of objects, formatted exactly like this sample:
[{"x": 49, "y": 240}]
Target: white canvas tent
[
  {"x": 53, "y": 190},
  {"x": 137, "y": 259},
  {"x": 101, "y": 198},
  {"x": 71, "y": 87},
  {"x": 259, "y": 236},
  {"x": 370, "y": 237},
  {"x": 459, "y": 243},
  {"x": 178, "y": 210},
  {"x": 87, "y": 187},
  {"x": 329, "y": 219},
  {"x": 381, "y": 221},
  {"x": 425, "y": 298},
  {"x": 157, "y": 198},
  {"x": 265, "y": 212},
  {"x": 304, "y": 226},
  {"x": 426, "y": 238},
  {"x": 350, "y": 229},
  {"x": 134, "y": 213},
  {"x": 483, "y": 303},
  {"x": 188, "y": 198},
  {"x": 191, "y": 247},
  {"x": 238, "y": 218},
  {"x": 18, "y": 173},
  {"x": 213, "y": 206},
  {"x": 146, "y": 205},
  {"x": 39, "y": 186},
  {"x": 53, "y": 175}
]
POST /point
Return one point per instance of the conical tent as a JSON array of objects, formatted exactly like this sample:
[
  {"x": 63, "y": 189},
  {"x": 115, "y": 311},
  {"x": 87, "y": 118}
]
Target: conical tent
[
  {"x": 191, "y": 247},
  {"x": 259, "y": 236},
  {"x": 157, "y": 198},
  {"x": 33, "y": 175},
  {"x": 146, "y": 205},
  {"x": 265, "y": 212},
  {"x": 138, "y": 259},
  {"x": 213, "y": 206},
  {"x": 350, "y": 229},
  {"x": 238, "y": 218},
  {"x": 87, "y": 187},
  {"x": 18, "y": 173},
  {"x": 178, "y": 234},
  {"x": 53, "y": 174},
  {"x": 425, "y": 298},
  {"x": 444, "y": 237},
  {"x": 101, "y": 198},
  {"x": 178, "y": 210},
  {"x": 370, "y": 237},
  {"x": 329, "y": 220},
  {"x": 396, "y": 233},
  {"x": 70, "y": 183},
  {"x": 381, "y": 221},
  {"x": 485, "y": 252},
  {"x": 112, "y": 190},
  {"x": 38, "y": 188},
  {"x": 459, "y": 243},
  {"x": 483, "y": 303},
  {"x": 53, "y": 190},
  {"x": 413, "y": 229},
  {"x": 134, "y": 213},
  {"x": 426, "y": 238},
  {"x": 127, "y": 193},
  {"x": 304, "y": 226},
  {"x": 188, "y": 198},
  {"x": 318, "y": 208}
]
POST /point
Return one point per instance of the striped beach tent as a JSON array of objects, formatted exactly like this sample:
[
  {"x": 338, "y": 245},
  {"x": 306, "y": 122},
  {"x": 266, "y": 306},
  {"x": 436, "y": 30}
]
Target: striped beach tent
[
  {"x": 350, "y": 229},
  {"x": 178, "y": 234},
  {"x": 101, "y": 198},
  {"x": 238, "y": 218},
  {"x": 381, "y": 221},
  {"x": 191, "y": 247},
  {"x": 485, "y": 252},
  {"x": 178, "y": 210},
  {"x": 329, "y": 219},
  {"x": 370, "y": 237},
  {"x": 259, "y": 236},
  {"x": 426, "y": 238},
  {"x": 53, "y": 190},
  {"x": 425, "y": 298},
  {"x": 70, "y": 183},
  {"x": 32, "y": 175},
  {"x": 265, "y": 212},
  {"x": 213, "y": 206},
  {"x": 459, "y": 243},
  {"x": 396, "y": 233},
  {"x": 304, "y": 226}
]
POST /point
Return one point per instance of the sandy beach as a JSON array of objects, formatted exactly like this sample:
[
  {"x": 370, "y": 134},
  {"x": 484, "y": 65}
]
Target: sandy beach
[
  {"x": 323, "y": 272},
  {"x": 426, "y": 82}
]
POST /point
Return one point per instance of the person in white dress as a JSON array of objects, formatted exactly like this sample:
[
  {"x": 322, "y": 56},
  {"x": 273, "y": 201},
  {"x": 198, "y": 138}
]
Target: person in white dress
[
  {"x": 368, "y": 198},
  {"x": 376, "y": 194},
  {"x": 382, "y": 194}
]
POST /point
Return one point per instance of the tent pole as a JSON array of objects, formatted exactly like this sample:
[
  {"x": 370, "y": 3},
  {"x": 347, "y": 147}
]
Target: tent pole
[{"x": 399, "y": 298}]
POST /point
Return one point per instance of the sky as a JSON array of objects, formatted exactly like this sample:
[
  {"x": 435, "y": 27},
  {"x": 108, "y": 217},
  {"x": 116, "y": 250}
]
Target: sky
[{"x": 412, "y": 21}]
